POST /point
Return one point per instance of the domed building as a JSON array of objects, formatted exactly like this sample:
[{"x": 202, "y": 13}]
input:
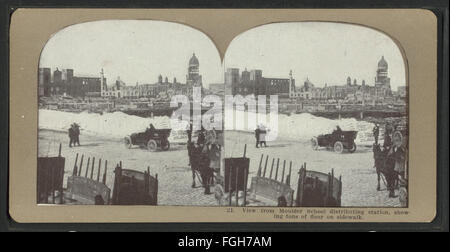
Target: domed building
[
  {"x": 382, "y": 81},
  {"x": 193, "y": 77}
]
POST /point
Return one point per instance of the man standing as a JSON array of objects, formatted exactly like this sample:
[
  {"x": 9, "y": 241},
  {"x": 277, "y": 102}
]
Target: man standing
[
  {"x": 387, "y": 136},
  {"x": 189, "y": 132},
  {"x": 262, "y": 136},
  {"x": 201, "y": 138},
  {"x": 77, "y": 134},
  {"x": 376, "y": 133},
  {"x": 257, "y": 133},
  {"x": 72, "y": 135}
]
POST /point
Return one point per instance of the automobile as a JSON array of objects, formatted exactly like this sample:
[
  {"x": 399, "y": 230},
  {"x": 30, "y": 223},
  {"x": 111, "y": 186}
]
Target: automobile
[
  {"x": 338, "y": 141},
  {"x": 152, "y": 139}
]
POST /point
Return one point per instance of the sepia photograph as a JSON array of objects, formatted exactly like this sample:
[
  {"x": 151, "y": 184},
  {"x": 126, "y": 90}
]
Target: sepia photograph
[{"x": 298, "y": 114}]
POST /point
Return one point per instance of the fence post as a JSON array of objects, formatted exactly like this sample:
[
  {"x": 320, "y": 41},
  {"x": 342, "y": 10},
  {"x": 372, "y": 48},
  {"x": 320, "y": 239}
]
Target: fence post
[
  {"x": 116, "y": 188},
  {"x": 59, "y": 151},
  {"x": 229, "y": 183},
  {"x": 75, "y": 170},
  {"x": 300, "y": 185},
  {"x": 87, "y": 167},
  {"x": 98, "y": 171},
  {"x": 245, "y": 186},
  {"x": 276, "y": 172},
  {"x": 92, "y": 168},
  {"x": 52, "y": 186},
  {"x": 104, "y": 173},
  {"x": 288, "y": 177},
  {"x": 340, "y": 190},
  {"x": 237, "y": 184},
  {"x": 259, "y": 167},
  {"x": 81, "y": 165},
  {"x": 271, "y": 168},
  {"x": 156, "y": 190},
  {"x": 265, "y": 166}
]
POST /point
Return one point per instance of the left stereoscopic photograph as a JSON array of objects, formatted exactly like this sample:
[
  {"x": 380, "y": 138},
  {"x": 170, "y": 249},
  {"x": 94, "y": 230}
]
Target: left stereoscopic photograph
[
  {"x": 298, "y": 114},
  {"x": 116, "y": 120}
]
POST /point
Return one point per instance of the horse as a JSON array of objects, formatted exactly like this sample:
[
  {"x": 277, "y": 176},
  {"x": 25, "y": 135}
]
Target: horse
[
  {"x": 200, "y": 164},
  {"x": 384, "y": 165}
]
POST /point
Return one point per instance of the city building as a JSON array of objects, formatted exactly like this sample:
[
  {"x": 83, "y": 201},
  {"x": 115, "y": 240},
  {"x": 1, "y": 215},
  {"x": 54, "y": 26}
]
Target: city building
[
  {"x": 193, "y": 78},
  {"x": 351, "y": 91},
  {"x": 63, "y": 82},
  {"x": 252, "y": 82},
  {"x": 161, "y": 89}
]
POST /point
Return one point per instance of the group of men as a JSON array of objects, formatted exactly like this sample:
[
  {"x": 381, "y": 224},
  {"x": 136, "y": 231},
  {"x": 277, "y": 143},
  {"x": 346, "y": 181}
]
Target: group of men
[
  {"x": 204, "y": 156},
  {"x": 74, "y": 135}
]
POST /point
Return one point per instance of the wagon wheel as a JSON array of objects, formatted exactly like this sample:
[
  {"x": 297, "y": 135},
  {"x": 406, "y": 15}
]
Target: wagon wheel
[
  {"x": 338, "y": 147},
  {"x": 127, "y": 142},
  {"x": 353, "y": 148},
  {"x": 165, "y": 145},
  {"x": 314, "y": 143},
  {"x": 152, "y": 145}
]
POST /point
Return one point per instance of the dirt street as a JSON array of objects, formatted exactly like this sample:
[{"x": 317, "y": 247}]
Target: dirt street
[{"x": 175, "y": 177}]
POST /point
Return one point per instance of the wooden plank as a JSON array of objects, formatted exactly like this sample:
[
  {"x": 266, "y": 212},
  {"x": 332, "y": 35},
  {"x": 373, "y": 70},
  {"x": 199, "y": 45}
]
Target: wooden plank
[{"x": 282, "y": 174}]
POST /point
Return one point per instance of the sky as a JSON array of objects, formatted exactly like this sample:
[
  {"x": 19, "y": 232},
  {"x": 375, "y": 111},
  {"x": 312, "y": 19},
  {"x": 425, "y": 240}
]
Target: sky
[
  {"x": 140, "y": 50},
  {"x": 135, "y": 50},
  {"x": 322, "y": 52}
]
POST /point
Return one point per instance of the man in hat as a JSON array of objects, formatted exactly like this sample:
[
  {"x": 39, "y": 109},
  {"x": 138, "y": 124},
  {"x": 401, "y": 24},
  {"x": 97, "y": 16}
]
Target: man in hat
[{"x": 376, "y": 132}]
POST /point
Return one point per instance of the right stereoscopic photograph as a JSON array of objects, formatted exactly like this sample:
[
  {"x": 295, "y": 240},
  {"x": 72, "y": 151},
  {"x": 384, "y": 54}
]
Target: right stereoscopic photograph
[{"x": 318, "y": 113}]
